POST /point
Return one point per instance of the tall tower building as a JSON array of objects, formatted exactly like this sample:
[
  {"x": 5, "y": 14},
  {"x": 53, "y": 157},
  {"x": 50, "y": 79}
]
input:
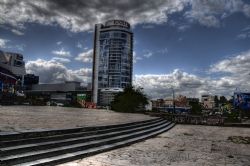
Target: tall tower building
[{"x": 112, "y": 60}]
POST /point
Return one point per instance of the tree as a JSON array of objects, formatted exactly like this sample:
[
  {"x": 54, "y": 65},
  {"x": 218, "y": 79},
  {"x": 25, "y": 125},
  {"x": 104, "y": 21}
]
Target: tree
[
  {"x": 196, "y": 108},
  {"x": 216, "y": 101},
  {"x": 223, "y": 99},
  {"x": 130, "y": 100}
]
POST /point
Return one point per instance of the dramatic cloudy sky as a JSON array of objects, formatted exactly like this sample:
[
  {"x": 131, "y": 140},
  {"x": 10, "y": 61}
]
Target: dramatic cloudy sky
[{"x": 193, "y": 46}]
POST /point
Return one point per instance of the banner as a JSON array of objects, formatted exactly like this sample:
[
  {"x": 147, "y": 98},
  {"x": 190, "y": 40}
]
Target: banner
[{"x": 242, "y": 100}]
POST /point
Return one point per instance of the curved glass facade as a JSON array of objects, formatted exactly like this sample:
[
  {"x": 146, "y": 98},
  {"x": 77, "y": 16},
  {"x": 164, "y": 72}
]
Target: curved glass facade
[
  {"x": 113, "y": 56},
  {"x": 115, "y": 59}
]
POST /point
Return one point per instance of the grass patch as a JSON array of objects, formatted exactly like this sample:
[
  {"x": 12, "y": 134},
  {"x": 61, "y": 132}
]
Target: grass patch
[{"x": 239, "y": 139}]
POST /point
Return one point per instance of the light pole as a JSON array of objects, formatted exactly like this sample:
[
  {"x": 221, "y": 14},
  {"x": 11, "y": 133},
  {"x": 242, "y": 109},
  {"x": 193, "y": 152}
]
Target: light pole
[{"x": 173, "y": 100}]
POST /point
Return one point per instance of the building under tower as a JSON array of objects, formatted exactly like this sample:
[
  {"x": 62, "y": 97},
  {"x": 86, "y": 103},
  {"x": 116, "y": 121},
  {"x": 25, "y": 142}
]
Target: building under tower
[{"x": 112, "y": 60}]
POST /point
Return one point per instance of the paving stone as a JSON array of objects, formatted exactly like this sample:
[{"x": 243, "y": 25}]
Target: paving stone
[
  {"x": 203, "y": 146},
  {"x": 23, "y": 118}
]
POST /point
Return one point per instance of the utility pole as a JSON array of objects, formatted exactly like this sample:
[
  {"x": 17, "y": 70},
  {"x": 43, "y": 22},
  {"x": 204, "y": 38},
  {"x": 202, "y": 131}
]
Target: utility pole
[{"x": 173, "y": 101}]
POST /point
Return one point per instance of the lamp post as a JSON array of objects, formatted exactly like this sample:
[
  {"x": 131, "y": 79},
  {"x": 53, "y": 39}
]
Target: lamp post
[{"x": 173, "y": 100}]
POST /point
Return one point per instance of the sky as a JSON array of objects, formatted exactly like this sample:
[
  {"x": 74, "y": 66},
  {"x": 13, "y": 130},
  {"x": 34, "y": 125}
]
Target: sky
[{"x": 192, "y": 46}]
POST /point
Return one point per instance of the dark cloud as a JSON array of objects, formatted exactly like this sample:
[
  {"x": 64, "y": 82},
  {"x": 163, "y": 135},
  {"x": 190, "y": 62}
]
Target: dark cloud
[{"x": 81, "y": 15}]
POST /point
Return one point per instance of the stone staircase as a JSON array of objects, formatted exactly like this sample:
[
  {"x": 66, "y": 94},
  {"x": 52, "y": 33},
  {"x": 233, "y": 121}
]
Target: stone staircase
[{"x": 54, "y": 147}]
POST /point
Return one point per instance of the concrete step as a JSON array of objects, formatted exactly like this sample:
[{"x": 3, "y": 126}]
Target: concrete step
[
  {"x": 22, "y": 141},
  {"x": 9, "y": 136},
  {"x": 58, "y": 143},
  {"x": 51, "y": 161},
  {"x": 49, "y": 149}
]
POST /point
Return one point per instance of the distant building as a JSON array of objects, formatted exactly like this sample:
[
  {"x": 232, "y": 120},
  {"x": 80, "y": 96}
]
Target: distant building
[
  {"x": 112, "y": 60},
  {"x": 168, "y": 102},
  {"x": 167, "y": 105},
  {"x": 59, "y": 92},
  {"x": 208, "y": 101},
  {"x": 13, "y": 62},
  {"x": 106, "y": 96},
  {"x": 181, "y": 101},
  {"x": 13, "y": 74}
]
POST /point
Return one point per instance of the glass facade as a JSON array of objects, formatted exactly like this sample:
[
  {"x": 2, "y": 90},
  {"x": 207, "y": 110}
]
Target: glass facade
[
  {"x": 113, "y": 56},
  {"x": 115, "y": 59}
]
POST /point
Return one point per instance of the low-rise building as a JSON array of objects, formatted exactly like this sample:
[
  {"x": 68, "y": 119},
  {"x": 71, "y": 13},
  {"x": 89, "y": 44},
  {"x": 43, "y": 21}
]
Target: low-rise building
[
  {"x": 106, "y": 95},
  {"x": 208, "y": 101},
  {"x": 66, "y": 92}
]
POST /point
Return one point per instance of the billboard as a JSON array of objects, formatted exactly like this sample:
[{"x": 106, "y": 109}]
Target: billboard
[
  {"x": 242, "y": 101},
  {"x": 81, "y": 96},
  {"x": 117, "y": 22}
]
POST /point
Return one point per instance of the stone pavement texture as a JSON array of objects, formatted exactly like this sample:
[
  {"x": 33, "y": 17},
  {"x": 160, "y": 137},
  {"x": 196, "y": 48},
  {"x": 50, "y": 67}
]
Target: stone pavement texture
[
  {"x": 183, "y": 145},
  {"x": 23, "y": 118}
]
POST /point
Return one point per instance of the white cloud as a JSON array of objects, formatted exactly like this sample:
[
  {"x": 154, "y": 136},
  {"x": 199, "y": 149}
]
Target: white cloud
[
  {"x": 62, "y": 52},
  {"x": 3, "y": 43},
  {"x": 85, "y": 56},
  {"x": 209, "y": 13},
  {"x": 136, "y": 57},
  {"x": 163, "y": 51},
  {"x": 59, "y": 42},
  {"x": 17, "y": 32},
  {"x": 159, "y": 85},
  {"x": 183, "y": 27},
  {"x": 245, "y": 33},
  {"x": 234, "y": 73},
  {"x": 52, "y": 71},
  {"x": 239, "y": 64},
  {"x": 20, "y": 47},
  {"x": 246, "y": 10},
  {"x": 148, "y": 54},
  {"x": 60, "y": 60},
  {"x": 79, "y": 45}
]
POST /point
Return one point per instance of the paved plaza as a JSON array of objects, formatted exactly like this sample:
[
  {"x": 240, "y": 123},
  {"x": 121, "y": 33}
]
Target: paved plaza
[
  {"x": 22, "y": 118},
  {"x": 192, "y": 145},
  {"x": 183, "y": 145}
]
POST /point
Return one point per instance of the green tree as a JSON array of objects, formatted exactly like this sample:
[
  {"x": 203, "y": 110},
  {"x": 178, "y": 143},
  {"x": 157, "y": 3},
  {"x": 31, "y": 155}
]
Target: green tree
[
  {"x": 196, "y": 108},
  {"x": 223, "y": 100},
  {"x": 130, "y": 100},
  {"x": 216, "y": 101}
]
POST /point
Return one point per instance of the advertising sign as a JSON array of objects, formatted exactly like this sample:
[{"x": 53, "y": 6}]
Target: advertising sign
[
  {"x": 119, "y": 23},
  {"x": 81, "y": 96},
  {"x": 242, "y": 100}
]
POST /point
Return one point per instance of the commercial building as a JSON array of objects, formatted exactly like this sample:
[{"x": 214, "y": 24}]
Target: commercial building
[
  {"x": 208, "y": 101},
  {"x": 112, "y": 60},
  {"x": 179, "y": 105},
  {"x": 13, "y": 78},
  {"x": 65, "y": 93},
  {"x": 12, "y": 70},
  {"x": 13, "y": 73},
  {"x": 13, "y": 62}
]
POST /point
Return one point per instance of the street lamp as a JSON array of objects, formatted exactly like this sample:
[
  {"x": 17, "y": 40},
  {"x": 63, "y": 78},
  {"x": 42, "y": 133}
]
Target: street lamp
[{"x": 173, "y": 100}]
